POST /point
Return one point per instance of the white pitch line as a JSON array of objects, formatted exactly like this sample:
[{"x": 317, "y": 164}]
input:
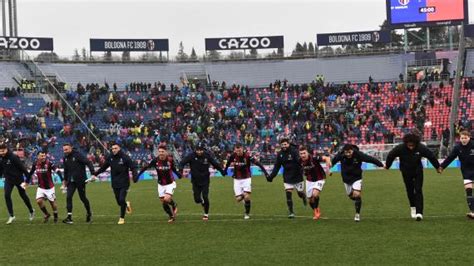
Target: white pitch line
[{"x": 230, "y": 220}]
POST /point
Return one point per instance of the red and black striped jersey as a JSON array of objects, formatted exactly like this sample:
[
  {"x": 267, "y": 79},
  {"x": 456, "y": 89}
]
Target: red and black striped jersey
[
  {"x": 164, "y": 170},
  {"x": 242, "y": 165},
  {"x": 44, "y": 173},
  {"x": 313, "y": 169}
]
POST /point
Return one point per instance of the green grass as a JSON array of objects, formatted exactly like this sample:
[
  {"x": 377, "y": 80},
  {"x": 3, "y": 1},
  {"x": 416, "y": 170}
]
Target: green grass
[{"x": 386, "y": 234}]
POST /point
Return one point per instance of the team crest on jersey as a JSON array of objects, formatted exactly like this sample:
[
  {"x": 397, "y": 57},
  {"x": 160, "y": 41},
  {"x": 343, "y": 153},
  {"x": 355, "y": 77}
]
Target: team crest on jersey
[
  {"x": 121, "y": 161},
  {"x": 205, "y": 161},
  {"x": 403, "y": 2}
]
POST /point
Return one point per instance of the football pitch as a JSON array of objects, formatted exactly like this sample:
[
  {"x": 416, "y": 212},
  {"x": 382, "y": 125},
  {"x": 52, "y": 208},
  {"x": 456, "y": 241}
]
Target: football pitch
[{"x": 385, "y": 235}]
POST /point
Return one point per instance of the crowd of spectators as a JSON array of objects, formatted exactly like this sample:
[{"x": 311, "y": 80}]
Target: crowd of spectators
[{"x": 141, "y": 115}]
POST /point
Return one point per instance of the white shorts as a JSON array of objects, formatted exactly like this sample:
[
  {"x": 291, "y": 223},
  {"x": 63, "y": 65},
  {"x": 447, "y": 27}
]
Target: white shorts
[
  {"x": 318, "y": 185},
  {"x": 467, "y": 181},
  {"x": 357, "y": 185},
  {"x": 166, "y": 189},
  {"x": 48, "y": 194},
  {"x": 298, "y": 186},
  {"x": 242, "y": 185}
]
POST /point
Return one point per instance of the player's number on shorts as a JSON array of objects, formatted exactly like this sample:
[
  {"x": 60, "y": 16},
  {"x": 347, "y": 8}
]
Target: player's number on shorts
[{"x": 319, "y": 185}]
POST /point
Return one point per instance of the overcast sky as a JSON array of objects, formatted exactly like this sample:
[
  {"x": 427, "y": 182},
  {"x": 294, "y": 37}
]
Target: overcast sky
[{"x": 72, "y": 22}]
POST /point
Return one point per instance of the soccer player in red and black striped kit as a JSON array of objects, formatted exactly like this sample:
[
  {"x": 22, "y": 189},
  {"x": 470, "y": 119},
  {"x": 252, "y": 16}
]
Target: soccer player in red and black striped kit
[
  {"x": 165, "y": 168},
  {"x": 241, "y": 162},
  {"x": 43, "y": 169},
  {"x": 315, "y": 177}
]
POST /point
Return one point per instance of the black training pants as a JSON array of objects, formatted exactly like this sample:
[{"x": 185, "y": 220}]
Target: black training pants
[
  {"x": 414, "y": 188},
  {"x": 121, "y": 198},
  {"x": 81, "y": 189},
  {"x": 8, "y": 187}
]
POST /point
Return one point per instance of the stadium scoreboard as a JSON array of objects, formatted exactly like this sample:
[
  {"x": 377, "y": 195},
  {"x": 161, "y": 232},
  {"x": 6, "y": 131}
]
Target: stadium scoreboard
[{"x": 416, "y": 13}]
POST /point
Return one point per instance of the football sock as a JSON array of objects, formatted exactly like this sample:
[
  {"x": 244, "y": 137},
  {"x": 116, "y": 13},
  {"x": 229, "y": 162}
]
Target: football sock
[
  {"x": 167, "y": 209},
  {"x": 247, "y": 206},
  {"x": 55, "y": 213},
  {"x": 358, "y": 204},
  {"x": 45, "y": 211},
  {"x": 315, "y": 203},
  {"x": 172, "y": 204},
  {"x": 205, "y": 206},
  {"x": 470, "y": 199},
  {"x": 289, "y": 201}
]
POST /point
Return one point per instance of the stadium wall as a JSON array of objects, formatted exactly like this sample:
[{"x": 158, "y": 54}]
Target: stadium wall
[{"x": 252, "y": 73}]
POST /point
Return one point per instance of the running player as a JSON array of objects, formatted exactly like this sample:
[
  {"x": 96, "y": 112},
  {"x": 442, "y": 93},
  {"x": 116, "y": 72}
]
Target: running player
[
  {"x": 199, "y": 161},
  {"x": 13, "y": 170},
  {"x": 465, "y": 152},
  {"x": 75, "y": 178},
  {"x": 410, "y": 152},
  {"x": 315, "y": 177},
  {"x": 288, "y": 158},
  {"x": 351, "y": 171},
  {"x": 120, "y": 167},
  {"x": 165, "y": 168},
  {"x": 241, "y": 161},
  {"x": 43, "y": 169}
]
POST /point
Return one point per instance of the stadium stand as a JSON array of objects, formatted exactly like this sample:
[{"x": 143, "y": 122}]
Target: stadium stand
[{"x": 142, "y": 115}]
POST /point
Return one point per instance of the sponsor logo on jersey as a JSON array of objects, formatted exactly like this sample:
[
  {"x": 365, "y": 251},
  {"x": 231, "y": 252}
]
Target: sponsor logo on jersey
[
  {"x": 41, "y": 170},
  {"x": 164, "y": 168}
]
